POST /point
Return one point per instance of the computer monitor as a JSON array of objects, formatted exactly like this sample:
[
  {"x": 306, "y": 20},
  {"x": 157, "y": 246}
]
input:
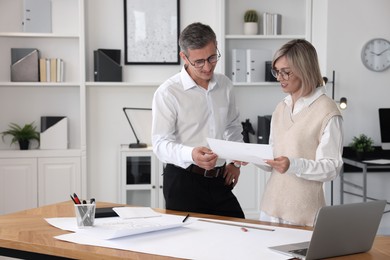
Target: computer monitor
[{"x": 384, "y": 123}]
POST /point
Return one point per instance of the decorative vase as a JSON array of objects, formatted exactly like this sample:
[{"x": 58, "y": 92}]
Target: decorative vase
[
  {"x": 24, "y": 144},
  {"x": 250, "y": 28}
]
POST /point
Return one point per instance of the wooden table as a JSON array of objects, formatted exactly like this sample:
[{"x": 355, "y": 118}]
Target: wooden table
[{"x": 27, "y": 235}]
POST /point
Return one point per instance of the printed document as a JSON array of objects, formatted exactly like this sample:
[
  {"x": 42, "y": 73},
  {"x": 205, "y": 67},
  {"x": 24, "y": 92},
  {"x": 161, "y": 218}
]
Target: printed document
[{"x": 245, "y": 152}]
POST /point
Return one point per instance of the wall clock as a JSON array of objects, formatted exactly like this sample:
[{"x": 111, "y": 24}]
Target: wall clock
[{"x": 376, "y": 54}]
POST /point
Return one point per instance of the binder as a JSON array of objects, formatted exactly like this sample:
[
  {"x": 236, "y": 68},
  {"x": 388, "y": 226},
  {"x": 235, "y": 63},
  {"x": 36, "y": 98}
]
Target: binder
[
  {"x": 239, "y": 65},
  {"x": 24, "y": 65},
  {"x": 107, "y": 65},
  {"x": 268, "y": 74},
  {"x": 37, "y": 16},
  {"x": 256, "y": 64}
]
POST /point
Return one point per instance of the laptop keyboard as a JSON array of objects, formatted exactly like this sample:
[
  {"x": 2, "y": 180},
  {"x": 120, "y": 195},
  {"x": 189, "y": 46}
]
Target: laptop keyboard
[{"x": 302, "y": 251}]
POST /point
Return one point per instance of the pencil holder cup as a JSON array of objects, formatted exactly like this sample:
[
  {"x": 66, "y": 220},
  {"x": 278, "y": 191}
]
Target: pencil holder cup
[{"x": 85, "y": 214}]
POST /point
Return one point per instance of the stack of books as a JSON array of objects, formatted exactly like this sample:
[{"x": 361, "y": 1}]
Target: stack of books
[
  {"x": 51, "y": 70},
  {"x": 272, "y": 24}
]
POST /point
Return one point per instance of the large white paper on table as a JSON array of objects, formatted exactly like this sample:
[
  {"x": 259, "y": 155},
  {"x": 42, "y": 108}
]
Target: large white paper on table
[
  {"x": 114, "y": 227},
  {"x": 136, "y": 212},
  {"x": 203, "y": 240},
  {"x": 245, "y": 152}
]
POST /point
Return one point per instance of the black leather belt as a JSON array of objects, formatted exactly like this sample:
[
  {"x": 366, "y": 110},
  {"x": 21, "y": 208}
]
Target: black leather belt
[{"x": 213, "y": 173}]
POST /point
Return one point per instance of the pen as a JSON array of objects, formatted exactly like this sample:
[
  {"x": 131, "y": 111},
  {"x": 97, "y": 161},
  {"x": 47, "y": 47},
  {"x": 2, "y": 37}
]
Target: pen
[
  {"x": 73, "y": 199},
  {"x": 77, "y": 201},
  {"x": 184, "y": 220}
]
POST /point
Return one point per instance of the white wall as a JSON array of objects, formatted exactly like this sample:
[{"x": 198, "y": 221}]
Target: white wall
[{"x": 344, "y": 33}]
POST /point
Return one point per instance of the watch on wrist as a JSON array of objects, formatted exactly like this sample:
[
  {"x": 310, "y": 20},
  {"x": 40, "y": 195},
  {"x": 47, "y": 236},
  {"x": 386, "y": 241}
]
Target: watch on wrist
[{"x": 236, "y": 164}]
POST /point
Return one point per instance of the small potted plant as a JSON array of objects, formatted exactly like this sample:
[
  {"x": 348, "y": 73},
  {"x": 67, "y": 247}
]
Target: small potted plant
[
  {"x": 362, "y": 144},
  {"x": 22, "y": 135},
  {"x": 251, "y": 22}
]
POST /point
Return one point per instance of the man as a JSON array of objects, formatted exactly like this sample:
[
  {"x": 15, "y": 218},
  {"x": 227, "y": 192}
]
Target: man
[{"x": 189, "y": 107}]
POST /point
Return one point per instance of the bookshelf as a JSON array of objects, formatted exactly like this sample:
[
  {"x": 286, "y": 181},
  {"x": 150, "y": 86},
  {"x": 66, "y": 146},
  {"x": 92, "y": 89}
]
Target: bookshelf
[
  {"x": 295, "y": 23},
  {"x": 25, "y": 102}
]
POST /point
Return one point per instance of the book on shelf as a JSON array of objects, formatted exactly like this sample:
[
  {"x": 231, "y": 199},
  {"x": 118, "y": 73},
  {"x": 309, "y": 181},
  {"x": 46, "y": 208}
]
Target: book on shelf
[
  {"x": 51, "y": 70},
  {"x": 272, "y": 24}
]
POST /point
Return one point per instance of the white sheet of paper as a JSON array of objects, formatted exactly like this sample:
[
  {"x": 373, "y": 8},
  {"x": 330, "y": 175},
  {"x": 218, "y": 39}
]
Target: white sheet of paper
[
  {"x": 136, "y": 212},
  {"x": 115, "y": 227},
  {"x": 203, "y": 240},
  {"x": 245, "y": 152}
]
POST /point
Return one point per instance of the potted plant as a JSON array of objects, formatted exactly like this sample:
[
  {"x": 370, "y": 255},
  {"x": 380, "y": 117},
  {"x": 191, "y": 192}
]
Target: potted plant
[
  {"x": 251, "y": 22},
  {"x": 362, "y": 144},
  {"x": 22, "y": 135}
]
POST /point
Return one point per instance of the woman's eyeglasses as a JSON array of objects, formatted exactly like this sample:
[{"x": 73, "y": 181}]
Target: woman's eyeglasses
[{"x": 283, "y": 74}]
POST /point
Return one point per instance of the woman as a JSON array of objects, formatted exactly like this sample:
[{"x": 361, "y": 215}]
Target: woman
[{"x": 306, "y": 137}]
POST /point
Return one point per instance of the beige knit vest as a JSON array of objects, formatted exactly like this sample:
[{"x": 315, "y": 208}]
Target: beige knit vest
[{"x": 287, "y": 196}]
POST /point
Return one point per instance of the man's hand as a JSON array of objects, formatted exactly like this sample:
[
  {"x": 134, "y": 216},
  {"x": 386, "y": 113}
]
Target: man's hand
[
  {"x": 204, "y": 157},
  {"x": 280, "y": 164},
  {"x": 231, "y": 175}
]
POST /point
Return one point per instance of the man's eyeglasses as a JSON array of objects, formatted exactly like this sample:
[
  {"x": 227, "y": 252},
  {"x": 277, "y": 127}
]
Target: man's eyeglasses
[
  {"x": 200, "y": 63},
  {"x": 284, "y": 74}
]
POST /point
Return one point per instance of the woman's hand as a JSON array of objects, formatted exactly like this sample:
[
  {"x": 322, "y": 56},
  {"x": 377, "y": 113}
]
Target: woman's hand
[{"x": 280, "y": 164}]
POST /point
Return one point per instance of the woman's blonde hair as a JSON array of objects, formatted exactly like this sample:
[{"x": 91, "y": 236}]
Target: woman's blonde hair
[{"x": 303, "y": 61}]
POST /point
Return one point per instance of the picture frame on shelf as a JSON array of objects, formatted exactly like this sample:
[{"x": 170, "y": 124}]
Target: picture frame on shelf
[{"x": 152, "y": 31}]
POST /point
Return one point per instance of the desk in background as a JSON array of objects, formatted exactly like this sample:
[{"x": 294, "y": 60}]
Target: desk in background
[{"x": 353, "y": 164}]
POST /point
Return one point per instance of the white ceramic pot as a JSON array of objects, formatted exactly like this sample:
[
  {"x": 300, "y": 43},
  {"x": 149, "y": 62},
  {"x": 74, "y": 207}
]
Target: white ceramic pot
[{"x": 250, "y": 28}]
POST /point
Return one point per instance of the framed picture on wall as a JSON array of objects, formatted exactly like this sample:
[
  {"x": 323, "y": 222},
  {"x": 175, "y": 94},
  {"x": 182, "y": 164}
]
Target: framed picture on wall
[{"x": 152, "y": 31}]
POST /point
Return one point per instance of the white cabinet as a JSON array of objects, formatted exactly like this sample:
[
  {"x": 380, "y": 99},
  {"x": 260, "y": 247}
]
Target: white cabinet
[
  {"x": 18, "y": 184},
  {"x": 57, "y": 179},
  {"x": 295, "y": 23},
  {"x": 30, "y": 179},
  {"x": 140, "y": 178}
]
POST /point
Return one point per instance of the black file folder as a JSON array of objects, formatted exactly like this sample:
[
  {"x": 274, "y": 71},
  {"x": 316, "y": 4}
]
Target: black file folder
[
  {"x": 107, "y": 65},
  {"x": 24, "y": 65}
]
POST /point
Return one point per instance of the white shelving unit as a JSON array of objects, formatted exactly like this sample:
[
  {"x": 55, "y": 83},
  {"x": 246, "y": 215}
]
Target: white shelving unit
[
  {"x": 296, "y": 23},
  {"x": 26, "y": 102}
]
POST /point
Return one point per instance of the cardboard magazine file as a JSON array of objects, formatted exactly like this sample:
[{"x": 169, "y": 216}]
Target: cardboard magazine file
[
  {"x": 54, "y": 133},
  {"x": 24, "y": 65}
]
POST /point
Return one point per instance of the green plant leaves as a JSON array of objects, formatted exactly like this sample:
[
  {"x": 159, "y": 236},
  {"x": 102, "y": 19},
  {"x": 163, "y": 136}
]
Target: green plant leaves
[{"x": 18, "y": 133}]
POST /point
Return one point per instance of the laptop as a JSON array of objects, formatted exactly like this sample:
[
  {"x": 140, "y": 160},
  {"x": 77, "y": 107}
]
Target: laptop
[{"x": 339, "y": 230}]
